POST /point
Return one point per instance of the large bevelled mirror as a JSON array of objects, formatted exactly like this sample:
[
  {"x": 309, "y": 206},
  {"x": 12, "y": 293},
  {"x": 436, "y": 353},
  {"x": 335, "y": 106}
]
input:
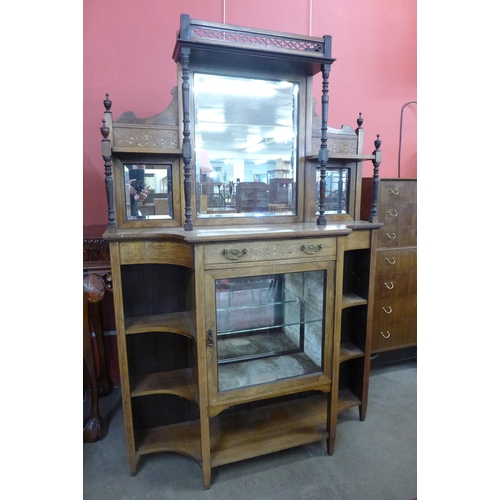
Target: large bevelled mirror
[{"x": 246, "y": 146}]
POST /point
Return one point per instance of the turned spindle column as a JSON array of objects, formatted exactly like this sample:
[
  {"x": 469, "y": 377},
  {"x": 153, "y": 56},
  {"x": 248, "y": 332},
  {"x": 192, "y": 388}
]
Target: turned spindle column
[
  {"x": 323, "y": 150},
  {"x": 376, "y": 179},
  {"x": 106, "y": 155}
]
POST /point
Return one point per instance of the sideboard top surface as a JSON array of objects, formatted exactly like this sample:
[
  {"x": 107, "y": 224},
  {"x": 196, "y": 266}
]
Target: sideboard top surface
[{"x": 242, "y": 233}]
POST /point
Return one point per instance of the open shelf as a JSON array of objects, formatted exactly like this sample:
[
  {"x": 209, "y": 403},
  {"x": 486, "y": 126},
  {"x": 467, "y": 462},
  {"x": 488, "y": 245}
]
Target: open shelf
[
  {"x": 347, "y": 400},
  {"x": 243, "y": 434},
  {"x": 250, "y": 433},
  {"x": 178, "y": 382},
  {"x": 179, "y": 323},
  {"x": 181, "y": 438},
  {"x": 340, "y": 156},
  {"x": 350, "y": 351},
  {"x": 352, "y": 300}
]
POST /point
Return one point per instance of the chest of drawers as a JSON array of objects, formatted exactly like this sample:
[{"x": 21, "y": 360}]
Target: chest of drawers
[{"x": 395, "y": 297}]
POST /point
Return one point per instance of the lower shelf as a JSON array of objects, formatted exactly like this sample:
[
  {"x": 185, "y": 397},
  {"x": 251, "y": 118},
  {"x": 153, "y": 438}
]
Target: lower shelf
[
  {"x": 239, "y": 435},
  {"x": 243, "y": 434},
  {"x": 347, "y": 400}
]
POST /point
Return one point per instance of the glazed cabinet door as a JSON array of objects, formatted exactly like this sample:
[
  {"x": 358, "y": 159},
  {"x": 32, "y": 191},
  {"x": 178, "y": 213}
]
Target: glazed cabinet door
[{"x": 269, "y": 330}]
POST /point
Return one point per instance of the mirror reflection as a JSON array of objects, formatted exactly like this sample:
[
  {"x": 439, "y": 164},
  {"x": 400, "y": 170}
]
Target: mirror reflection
[
  {"x": 336, "y": 192},
  {"x": 148, "y": 191},
  {"x": 246, "y": 143}
]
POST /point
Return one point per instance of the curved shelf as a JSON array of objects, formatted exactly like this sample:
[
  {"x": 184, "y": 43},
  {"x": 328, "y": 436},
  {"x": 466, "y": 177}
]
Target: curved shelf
[
  {"x": 352, "y": 300},
  {"x": 177, "y": 382},
  {"x": 347, "y": 400},
  {"x": 350, "y": 351},
  {"x": 183, "y": 438},
  {"x": 179, "y": 323},
  {"x": 339, "y": 156}
]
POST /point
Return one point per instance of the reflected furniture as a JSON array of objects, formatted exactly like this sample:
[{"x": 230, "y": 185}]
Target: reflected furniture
[
  {"x": 395, "y": 297},
  {"x": 234, "y": 324}
]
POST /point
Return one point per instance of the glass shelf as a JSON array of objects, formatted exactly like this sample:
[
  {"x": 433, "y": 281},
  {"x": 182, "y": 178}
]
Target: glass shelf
[{"x": 269, "y": 327}]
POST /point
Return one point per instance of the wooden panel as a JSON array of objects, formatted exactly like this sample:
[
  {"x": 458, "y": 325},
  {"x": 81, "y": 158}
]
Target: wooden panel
[
  {"x": 357, "y": 240},
  {"x": 156, "y": 252},
  {"x": 269, "y": 250}
]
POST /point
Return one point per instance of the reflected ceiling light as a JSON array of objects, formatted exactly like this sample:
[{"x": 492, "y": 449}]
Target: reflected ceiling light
[
  {"x": 283, "y": 134},
  {"x": 233, "y": 86},
  {"x": 210, "y": 115},
  {"x": 210, "y": 127}
]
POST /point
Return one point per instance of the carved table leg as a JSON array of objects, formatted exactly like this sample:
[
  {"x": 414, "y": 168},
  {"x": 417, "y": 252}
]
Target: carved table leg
[
  {"x": 92, "y": 430},
  {"x": 104, "y": 382}
]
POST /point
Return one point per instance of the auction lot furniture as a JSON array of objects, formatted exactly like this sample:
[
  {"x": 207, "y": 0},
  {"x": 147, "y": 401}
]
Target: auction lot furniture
[{"x": 244, "y": 332}]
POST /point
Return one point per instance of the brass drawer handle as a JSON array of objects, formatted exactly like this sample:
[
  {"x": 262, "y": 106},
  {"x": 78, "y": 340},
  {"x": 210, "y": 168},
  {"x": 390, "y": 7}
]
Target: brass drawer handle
[
  {"x": 393, "y": 213},
  {"x": 394, "y": 191},
  {"x": 390, "y": 286},
  {"x": 391, "y": 261},
  {"x": 311, "y": 249},
  {"x": 384, "y": 335},
  {"x": 391, "y": 237},
  {"x": 234, "y": 254},
  {"x": 389, "y": 311}
]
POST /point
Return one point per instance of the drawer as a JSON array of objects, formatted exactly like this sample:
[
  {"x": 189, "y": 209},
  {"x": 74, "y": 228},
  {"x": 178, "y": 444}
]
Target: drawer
[
  {"x": 390, "y": 309},
  {"x": 397, "y": 236},
  {"x": 395, "y": 284},
  {"x": 388, "y": 335},
  {"x": 398, "y": 214},
  {"x": 395, "y": 191},
  {"x": 396, "y": 261},
  {"x": 256, "y": 251},
  {"x": 156, "y": 252}
]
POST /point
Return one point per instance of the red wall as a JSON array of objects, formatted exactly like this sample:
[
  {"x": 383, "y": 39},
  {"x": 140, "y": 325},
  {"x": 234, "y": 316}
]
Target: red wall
[{"x": 127, "y": 52}]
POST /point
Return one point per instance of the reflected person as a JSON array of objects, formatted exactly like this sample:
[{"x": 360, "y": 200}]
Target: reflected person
[{"x": 138, "y": 191}]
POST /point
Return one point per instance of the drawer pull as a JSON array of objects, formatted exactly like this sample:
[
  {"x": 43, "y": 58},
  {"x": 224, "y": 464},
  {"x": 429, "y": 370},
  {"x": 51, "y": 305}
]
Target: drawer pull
[
  {"x": 234, "y": 254},
  {"x": 391, "y": 237},
  {"x": 387, "y": 311},
  {"x": 391, "y": 261},
  {"x": 384, "y": 335},
  {"x": 394, "y": 191},
  {"x": 390, "y": 286},
  {"x": 392, "y": 213},
  {"x": 311, "y": 249}
]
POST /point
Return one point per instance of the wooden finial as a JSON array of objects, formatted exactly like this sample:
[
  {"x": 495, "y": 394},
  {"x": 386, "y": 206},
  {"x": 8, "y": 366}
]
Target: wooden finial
[
  {"x": 360, "y": 121},
  {"x": 107, "y": 103},
  {"x": 104, "y": 129}
]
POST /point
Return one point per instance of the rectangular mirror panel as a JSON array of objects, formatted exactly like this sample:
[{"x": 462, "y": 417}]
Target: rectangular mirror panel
[
  {"x": 336, "y": 192},
  {"x": 148, "y": 191},
  {"x": 246, "y": 146}
]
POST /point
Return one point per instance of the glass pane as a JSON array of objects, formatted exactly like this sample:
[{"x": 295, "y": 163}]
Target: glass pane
[
  {"x": 148, "y": 191},
  {"x": 337, "y": 181},
  {"x": 269, "y": 328},
  {"x": 246, "y": 143}
]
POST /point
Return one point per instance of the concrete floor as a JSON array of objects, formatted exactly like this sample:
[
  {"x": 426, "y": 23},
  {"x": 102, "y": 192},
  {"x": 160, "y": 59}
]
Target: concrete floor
[{"x": 373, "y": 460}]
